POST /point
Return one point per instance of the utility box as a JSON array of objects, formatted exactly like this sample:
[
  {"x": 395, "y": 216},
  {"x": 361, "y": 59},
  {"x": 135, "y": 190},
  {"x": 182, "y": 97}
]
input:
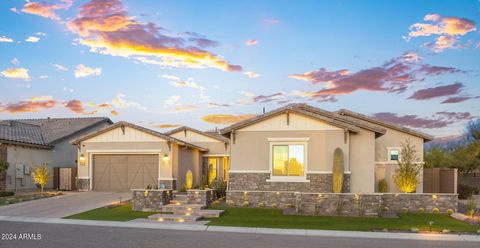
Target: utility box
[{"x": 19, "y": 171}]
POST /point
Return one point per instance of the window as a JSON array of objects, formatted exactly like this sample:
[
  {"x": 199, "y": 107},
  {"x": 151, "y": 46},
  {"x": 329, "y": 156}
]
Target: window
[
  {"x": 393, "y": 154},
  {"x": 225, "y": 168},
  {"x": 288, "y": 160}
]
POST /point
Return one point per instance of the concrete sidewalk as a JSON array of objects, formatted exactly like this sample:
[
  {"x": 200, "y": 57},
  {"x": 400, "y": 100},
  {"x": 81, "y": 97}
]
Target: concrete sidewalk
[{"x": 295, "y": 232}]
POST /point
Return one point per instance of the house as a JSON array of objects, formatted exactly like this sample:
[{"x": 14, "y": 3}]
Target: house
[
  {"x": 25, "y": 143},
  {"x": 288, "y": 149},
  {"x": 291, "y": 149},
  {"x": 125, "y": 156}
]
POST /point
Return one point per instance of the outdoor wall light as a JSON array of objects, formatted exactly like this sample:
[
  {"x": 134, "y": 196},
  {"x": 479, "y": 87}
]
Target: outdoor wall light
[
  {"x": 82, "y": 157},
  {"x": 165, "y": 157}
]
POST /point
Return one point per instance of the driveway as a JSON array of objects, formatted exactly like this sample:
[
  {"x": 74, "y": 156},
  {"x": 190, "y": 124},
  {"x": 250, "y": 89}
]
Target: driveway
[{"x": 65, "y": 205}]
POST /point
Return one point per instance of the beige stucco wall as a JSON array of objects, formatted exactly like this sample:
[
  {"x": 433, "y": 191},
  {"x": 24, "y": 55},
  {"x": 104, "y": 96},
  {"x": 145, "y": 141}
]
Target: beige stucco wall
[
  {"x": 394, "y": 138},
  {"x": 251, "y": 149},
  {"x": 26, "y": 156},
  {"x": 214, "y": 146},
  {"x": 362, "y": 162}
]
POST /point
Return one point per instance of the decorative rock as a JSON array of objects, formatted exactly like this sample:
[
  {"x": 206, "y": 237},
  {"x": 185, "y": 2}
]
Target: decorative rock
[
  {"x": 445, "y": 231},
  {"x": 414, "y": 230}
]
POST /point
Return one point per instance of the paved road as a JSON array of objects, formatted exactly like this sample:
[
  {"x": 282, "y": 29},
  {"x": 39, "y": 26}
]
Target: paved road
[
  {"x": 73, "y": 236},
  {"x": 65, "y": 205}
]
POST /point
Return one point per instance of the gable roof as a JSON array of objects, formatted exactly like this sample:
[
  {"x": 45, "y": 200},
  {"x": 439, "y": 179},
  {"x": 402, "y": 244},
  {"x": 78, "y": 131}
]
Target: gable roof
[
  {"x": 56, "y": 129},
  {"x": 143, "y": 129},
  {"x": 298, "y": 109},
  {"x": 22, "y": 133},
  {"x": 212, "y": 135},
  {"x": 399, "y": 128}
]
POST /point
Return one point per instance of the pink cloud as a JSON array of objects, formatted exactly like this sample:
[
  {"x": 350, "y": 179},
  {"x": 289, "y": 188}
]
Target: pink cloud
[
  {"x": 45, "y": 9},
  {"x": 439, "y": 91}
]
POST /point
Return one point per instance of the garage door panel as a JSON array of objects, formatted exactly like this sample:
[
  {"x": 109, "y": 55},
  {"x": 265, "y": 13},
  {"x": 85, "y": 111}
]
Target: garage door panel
[{"x": 124, "y": 172}]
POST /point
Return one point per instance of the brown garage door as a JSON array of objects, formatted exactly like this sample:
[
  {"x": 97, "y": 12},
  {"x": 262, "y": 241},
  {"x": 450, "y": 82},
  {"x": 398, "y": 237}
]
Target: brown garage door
[{"x": 124, "y": 172}]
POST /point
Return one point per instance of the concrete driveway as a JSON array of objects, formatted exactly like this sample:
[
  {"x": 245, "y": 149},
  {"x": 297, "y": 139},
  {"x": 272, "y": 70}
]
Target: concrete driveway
[{"x": 65, "y": 205}]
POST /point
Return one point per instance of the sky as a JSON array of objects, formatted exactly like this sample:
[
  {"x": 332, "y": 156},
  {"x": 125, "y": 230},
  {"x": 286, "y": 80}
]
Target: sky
[{"x": 208, "y": 64}]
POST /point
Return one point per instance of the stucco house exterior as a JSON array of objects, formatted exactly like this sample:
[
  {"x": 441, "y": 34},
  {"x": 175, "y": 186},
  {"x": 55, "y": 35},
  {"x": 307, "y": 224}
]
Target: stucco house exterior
[
  {"x": 291, "y": 149},
  {"x": 25, "y": 143},
  {"x": 125, "y": 156}
]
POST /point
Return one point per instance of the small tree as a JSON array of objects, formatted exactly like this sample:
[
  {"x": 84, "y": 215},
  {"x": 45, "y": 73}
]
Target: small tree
[
  {"x": 4, "y": 166},
  {"x": 40, "y": 175},
  {"x": 407, "y": 172}
]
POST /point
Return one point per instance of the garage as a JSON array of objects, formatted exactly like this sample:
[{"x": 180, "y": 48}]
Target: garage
[{"x": 122, "y": 172}]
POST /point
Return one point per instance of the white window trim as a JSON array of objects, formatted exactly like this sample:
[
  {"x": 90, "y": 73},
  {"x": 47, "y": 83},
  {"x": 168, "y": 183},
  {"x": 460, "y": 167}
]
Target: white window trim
[
  {"x": 388, "y": 153},
  {"x": 282, "y": 141}
]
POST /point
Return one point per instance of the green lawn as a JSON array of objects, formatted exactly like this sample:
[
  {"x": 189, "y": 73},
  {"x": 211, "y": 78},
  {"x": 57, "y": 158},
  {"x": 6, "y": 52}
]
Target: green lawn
[
  {"x": 120, "y": 213},
  {"x": 273, "y": 218}
]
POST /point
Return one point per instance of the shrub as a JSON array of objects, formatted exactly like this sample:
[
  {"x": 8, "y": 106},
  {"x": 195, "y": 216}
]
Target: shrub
[
  {"x": 465, "y": 191},
  {"x": 471, "y": 207},
  {"x": 246, "y": 204},
  {"x": 182, "y": 188},
  {"x": 338, "y": 170},
  {"x": 421, "y": 210},
  {"x": 261, "y": 204},
  {"x": 407, "y": 172},
  {"x": 450, "y": 211},
  {"x": 215, "y": 203},
  {"x": 6, "y": 193},
  {"x": 386, "y": 209},
  {"x": 274, "y": 205},
  {"x": 404, "y": 210},
  {"x": 221, "y": 188},
  {"x": 288, "y": 205},
  {"x": 4, "y": 166},
  {"x": 435, "y": 210},
  {"x": 382, "y": 186}
]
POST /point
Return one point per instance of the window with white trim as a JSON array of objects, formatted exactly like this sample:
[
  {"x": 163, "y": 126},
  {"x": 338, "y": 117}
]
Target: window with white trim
[
  {"x": 288, "y": 159},
  {"x": 393, "y": 154}
]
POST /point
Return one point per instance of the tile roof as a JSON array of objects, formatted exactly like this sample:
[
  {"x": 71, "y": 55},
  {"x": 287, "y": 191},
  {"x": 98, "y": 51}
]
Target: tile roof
[
  {"x": 55, "y": 129},
  {"x": 18, "y": 132},
  {"x": 44, "y": 132},
  {"x": 211, "y": 134}
]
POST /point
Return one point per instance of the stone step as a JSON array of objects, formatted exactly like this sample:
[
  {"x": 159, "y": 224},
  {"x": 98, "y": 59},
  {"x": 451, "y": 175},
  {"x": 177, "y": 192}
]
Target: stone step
[
  {"x": 205, "y": 213},
  {"x": 185, "y": 207},
  {"x": 174, "y": 217}
]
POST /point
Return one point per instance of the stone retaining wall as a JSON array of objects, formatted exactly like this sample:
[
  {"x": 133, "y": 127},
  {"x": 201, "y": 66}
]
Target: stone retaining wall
[
  {"x": 204, "y": 197},
  {"x": 150, "y": 200},
  {"x": 345, "y": 204},
  {"x": 259, "y": 182}
]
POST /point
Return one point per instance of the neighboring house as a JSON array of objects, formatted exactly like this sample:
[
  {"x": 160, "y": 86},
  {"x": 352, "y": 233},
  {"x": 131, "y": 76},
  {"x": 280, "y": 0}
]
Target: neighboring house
[
  {"x": 125, "y": 156},
  {"x": 291, "y": 149},
  {"x": 25, "y": 143},
  {"x": 214, "y": 162}
]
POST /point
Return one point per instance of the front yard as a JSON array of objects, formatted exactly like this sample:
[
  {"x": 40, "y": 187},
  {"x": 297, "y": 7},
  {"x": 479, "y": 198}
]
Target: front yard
[
  {"x": 119, "y": 213},
  {"x": 273, "y": 218}
]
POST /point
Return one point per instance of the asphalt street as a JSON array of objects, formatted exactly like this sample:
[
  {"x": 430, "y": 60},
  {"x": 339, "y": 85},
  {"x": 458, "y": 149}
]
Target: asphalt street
[{"x": 19, "y": 234}]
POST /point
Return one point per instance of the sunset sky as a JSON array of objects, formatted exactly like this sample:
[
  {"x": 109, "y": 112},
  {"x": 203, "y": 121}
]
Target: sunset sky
[{"x": 208, "y": 64}]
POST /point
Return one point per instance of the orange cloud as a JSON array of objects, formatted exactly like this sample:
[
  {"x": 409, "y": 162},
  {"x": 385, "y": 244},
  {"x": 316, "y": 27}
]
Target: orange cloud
[
  {"x": 114, "y": 113},
  {"x": 185, "y": 108},
  {"x": 446, "y": 28},
  {"x": 163, "y": 126},
  {"x": 75, "y": 106},
  {"x": 19, "y": 73},
  {"x": 105, "y": 27},
  {"x": 46, "y": 10},
  {"x": 224, "y": 119},
  {"x": 28, "y": 106}
]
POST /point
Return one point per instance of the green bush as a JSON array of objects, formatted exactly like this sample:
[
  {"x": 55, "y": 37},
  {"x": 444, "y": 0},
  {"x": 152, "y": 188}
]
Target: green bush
[
  {"x": 4, "y": 166},
  {"x": 465, "y": 191},
  {"x": 6, "y": 193},
  {"x": 471, "y": 207},
  {"x": 382, "y": 186},
  {"x": 221, "y": 188}
]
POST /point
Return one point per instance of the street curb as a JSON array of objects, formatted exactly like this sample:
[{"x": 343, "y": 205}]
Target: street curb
[{"x": 250, "y": 230}]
